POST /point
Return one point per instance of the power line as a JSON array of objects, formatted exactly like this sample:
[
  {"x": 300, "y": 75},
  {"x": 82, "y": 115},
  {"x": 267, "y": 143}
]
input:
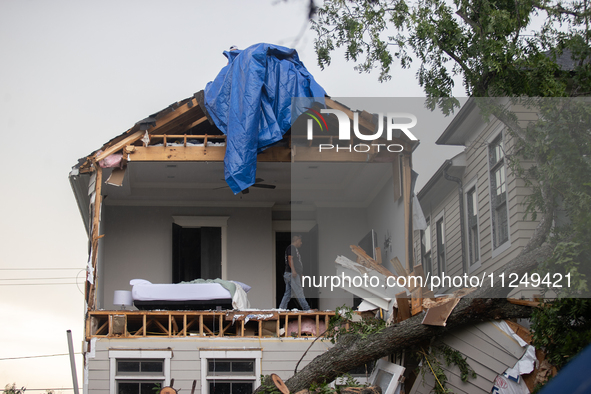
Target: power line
[
  {"x": 60, "y": 389},
  {"x": 38, "y": 269},
  {"x": 35, "y": 284},
  {"x": 41, "y": 356},
  {"x": 68, "y": 277}
]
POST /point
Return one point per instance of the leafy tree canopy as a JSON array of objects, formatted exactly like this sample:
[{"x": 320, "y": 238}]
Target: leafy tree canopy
[{"x": 491, "y": 44}]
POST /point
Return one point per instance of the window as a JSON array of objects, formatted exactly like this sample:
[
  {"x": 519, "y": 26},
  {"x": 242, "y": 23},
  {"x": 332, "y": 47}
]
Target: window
[
  {"x": 498, "y": 192},
  {"x": 426, "y": 248},
  {"x": 138, "y": 371},
  {"x": 472, "y": 227},
  {"x": 439, "y": 229},
  {"x": 230, "y": 372}
]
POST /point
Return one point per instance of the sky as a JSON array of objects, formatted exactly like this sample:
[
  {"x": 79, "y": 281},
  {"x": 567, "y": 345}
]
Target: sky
[{"x": 73, "y": 75}]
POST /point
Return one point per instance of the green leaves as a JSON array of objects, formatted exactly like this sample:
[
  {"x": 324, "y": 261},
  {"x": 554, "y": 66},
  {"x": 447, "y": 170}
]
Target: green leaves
[{"x": 562, "y": 329}]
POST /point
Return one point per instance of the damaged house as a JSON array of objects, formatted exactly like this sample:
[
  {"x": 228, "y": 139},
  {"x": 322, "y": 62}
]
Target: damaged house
[{"x": 214, "y": 186}]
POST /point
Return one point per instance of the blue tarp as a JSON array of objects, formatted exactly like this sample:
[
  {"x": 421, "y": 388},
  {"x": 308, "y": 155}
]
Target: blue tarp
[{"x": 250, "y": 102}]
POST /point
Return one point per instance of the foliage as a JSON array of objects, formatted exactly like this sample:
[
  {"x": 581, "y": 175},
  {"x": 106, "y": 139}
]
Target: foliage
[
  {"x": 489, "y": 44},
  {"x": 267, "y": 386},
  {"x": 562, "y": 329},
  {"x": 432, "y": 364},
  {"x": 343, "y": 318},
  {"x": 12, "y": 389}
]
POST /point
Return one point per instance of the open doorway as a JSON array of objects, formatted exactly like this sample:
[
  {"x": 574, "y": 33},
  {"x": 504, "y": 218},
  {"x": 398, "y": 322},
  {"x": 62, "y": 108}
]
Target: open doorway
[
  {"x": 196, "y": 253},
  {"x": 309, "y": 255}
]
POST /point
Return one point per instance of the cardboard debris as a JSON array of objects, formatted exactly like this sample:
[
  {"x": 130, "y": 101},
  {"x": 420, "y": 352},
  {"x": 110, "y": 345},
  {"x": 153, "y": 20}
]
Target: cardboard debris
[
  {"x": 437, "y": 315},
  {"x": 438, "y": 310},
  {"x": 116, "y": 177}
]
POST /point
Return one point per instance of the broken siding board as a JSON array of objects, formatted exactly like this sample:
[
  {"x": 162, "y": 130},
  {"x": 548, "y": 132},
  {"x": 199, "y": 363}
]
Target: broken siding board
[
  {"x": 505, "y": 341},
  {"x": 492, "y": 356},
  {"x": 474, "y": 336}
]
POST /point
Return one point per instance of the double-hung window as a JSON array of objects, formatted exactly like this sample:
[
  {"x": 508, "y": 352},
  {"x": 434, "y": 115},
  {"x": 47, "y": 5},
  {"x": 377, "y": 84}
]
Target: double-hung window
[
  {"x": 440, "y": 233},
  {"x": 472, "y": 227},
  {"x": 498, "y": 192},
  {"x": 426, "y": 248},
  {"x": 138, "y": 371},
  {"x": 230, "y": 371}
]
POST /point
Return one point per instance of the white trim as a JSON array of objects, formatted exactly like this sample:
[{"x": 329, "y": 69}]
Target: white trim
[
  {"x": 507, "y": 244},
  {"x": 115, "y": 355},
  {"x": 471, "y": 268},
  {"x": 209, "y": 221},
  {"x": 393, "y": 369},
  {"x": 257, "y": 354}
]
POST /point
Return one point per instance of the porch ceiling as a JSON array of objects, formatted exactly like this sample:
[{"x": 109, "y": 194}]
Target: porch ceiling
[{"x": 202, "y": 183}]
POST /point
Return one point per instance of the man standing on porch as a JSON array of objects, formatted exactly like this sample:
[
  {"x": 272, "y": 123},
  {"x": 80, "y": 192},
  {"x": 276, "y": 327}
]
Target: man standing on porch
[{"x": 292, "y": 275}]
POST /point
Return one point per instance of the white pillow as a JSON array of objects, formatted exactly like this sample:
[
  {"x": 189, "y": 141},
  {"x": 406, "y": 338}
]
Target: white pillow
[
  {"x": 244, "y": 286},
  {"x": 134, "y": 282}
]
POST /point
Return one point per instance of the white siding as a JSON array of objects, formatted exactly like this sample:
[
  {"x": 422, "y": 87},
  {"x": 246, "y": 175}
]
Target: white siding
[{"x": 279, "y": 356}]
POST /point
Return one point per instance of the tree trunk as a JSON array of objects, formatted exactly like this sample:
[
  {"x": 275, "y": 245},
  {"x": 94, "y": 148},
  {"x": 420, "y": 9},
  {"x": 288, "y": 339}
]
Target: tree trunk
[{"x": 352, "y": 350}]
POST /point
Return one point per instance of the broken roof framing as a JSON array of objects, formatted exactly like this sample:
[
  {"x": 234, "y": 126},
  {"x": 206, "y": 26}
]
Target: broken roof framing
[{"x": 167, "y": 136}]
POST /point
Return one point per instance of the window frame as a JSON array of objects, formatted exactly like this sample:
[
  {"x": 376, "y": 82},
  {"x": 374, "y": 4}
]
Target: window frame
[
  {"x": 138, "y": 354},
  {"x": 208, "y": 354},
  {"x": 472, "y": 266},
  {"x": 497, "y": 247},
  {"x": 423, "y": 247},
  {"x": 440, "y": 218}
]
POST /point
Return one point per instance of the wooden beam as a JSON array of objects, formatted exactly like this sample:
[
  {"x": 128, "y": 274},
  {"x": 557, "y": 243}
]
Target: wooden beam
[
  {"x": 164, "y": 122},
  {"x": 368, "y": 262},
  {"x": 406, "y": 195},
  {"x": 119, "y": 145},
  {"x": 91, "y": 295},
  {"x": 403, "y": 306}
]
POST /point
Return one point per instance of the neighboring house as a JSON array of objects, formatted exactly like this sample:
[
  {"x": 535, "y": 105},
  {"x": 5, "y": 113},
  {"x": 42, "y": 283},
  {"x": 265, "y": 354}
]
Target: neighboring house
[
  {"x": 475, "y": 213},
  {"x": 473, "y": 204},
  {"x": 161, "y": 211}
]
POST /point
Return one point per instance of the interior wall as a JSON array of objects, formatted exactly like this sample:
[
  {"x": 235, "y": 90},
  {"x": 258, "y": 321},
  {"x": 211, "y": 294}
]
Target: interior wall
[
  {"x": 138, "y": 244},
  {"x": 338, "y": 228},
  {"x": 386, "y": 217}
]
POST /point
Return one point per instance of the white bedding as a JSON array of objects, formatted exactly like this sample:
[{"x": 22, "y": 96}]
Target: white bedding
[{"x": 143, "y": 290}]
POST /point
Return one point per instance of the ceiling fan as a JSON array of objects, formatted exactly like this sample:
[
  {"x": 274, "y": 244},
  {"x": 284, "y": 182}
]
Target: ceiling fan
[{"x": 258, "y": 182}]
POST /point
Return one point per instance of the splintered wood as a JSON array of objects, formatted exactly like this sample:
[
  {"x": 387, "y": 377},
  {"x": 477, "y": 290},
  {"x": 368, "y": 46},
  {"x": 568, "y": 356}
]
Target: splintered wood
[{"x": 366, "y": 261}]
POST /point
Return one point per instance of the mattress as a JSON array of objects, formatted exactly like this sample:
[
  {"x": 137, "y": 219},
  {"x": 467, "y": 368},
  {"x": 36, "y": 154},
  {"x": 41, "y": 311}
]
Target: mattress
[
  {"x": 147, "y": 295},
  {"x": 179, "y": 292}
]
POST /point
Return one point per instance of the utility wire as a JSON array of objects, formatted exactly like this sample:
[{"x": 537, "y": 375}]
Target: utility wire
[
  {"x": 41, "y": 356},
  {"x": 68, "y": 277},
  {"x": 60, "y": 389},
  {"x": 37, "y": 269},
  {"x": 35, "y": 284}
]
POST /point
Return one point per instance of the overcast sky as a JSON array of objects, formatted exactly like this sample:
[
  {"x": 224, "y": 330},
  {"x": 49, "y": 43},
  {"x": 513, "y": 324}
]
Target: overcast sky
[{"x": 73, "y": 75}]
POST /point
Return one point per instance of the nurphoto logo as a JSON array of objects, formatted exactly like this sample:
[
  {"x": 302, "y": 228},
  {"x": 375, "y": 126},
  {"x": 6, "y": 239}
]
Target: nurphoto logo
[{"x": 394, "y": 128}]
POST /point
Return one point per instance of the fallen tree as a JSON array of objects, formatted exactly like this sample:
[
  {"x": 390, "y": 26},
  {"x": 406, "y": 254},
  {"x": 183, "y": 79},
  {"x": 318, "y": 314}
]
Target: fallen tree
[{"x": 353, "y": 350}]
